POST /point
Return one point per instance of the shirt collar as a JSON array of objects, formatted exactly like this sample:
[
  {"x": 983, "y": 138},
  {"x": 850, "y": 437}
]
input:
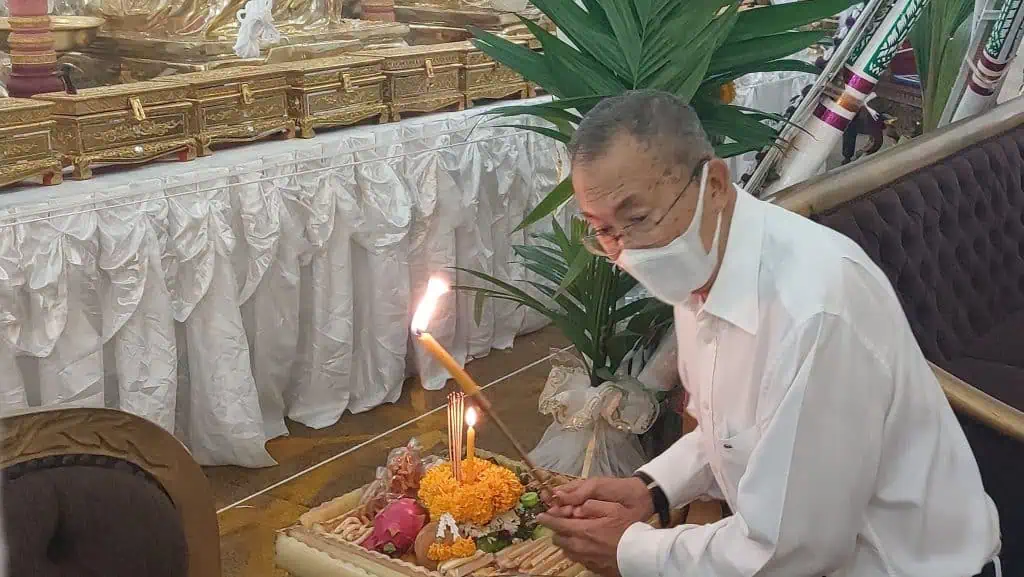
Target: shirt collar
[{"x": 734, "y": 295}]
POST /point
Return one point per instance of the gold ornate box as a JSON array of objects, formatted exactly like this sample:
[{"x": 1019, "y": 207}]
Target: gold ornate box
[
  {"x": 422, "y": 78},
  {"x": 241, "y": 104},
  {"x": 336, "y": 91},
  {"x": 26, "y": 142},
  {"x": 122, "y": 124},
  {"x": 483, "y": 78}
]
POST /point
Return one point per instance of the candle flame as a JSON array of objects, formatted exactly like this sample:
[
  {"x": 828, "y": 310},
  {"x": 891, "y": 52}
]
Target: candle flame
[
  {"x": 470, "y": 416},
  {"x": 421, "y": 319}
]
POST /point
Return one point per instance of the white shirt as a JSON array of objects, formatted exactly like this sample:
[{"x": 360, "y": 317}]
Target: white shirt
[{"x": 819, "y": 421}]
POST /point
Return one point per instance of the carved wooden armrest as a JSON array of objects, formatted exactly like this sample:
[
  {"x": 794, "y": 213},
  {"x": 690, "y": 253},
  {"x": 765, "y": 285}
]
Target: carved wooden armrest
[{"x": 970, "y": 400}]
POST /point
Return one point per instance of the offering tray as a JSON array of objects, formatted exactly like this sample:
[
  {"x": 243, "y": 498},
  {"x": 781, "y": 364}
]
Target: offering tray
[{"x": 307, "y": 549}]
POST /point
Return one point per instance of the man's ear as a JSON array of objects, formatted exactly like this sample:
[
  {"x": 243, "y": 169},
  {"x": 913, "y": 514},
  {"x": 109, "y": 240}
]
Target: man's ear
[{"x": 719, "y": 182}]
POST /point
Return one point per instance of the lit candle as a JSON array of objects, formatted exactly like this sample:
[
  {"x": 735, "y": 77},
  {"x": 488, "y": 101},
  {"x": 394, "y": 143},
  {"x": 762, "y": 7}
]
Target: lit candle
[
  {"x": 435, "y": 288},
  {"x": 470, "y": 433}
]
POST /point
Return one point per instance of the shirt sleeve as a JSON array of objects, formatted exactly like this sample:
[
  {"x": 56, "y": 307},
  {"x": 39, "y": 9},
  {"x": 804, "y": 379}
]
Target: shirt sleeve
[
  {"x": 801, "y": 500},
  {"x": 682, "y": 471}
]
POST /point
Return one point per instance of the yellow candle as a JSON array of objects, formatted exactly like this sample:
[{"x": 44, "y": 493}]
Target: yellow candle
[
  {"x": 470, "y": 433},
  {"x": 461, "y": 377}
]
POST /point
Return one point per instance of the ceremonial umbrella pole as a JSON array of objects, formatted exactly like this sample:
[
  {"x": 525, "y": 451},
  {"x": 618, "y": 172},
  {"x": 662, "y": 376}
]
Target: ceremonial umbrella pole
[
  {"x": 985, "y": 77},
  {"x": 33, "y": 59},
  {"x": 420, "y": 321},
  {"x": 869, "y": 59}
]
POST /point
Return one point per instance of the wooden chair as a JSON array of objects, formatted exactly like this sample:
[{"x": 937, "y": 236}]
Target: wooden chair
[{"x": 103, "y": 492}]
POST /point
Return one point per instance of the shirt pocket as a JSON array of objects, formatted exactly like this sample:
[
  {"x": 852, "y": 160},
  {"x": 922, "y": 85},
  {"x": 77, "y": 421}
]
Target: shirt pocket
[{"x": 735, "y": 451}]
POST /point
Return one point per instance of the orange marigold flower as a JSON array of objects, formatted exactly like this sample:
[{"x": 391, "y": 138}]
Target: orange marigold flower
[
  {"x": 487, "y": 491},
  {"x": 460, "y": 548}
]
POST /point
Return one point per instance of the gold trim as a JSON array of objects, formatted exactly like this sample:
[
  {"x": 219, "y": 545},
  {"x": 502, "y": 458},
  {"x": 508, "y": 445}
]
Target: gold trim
[
  {"x": 247, "y": 97},
  {"x": 33, "y": 22},
  {"x": 980, "y": 405},
  {"x": 429, "y": 65},
  {"x": 31, "y": 59},
  {"x": 185, "y": 147},
  {"x": 57, "y": 432},
  {"x": 137, "y": 110},
  {"x": 49, "y": 168},
  {"x": 346, "y": 83}
]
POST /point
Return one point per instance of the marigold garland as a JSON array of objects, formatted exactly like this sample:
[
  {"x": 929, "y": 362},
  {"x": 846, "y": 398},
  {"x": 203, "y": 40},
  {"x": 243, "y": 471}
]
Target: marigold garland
[
  {"x": 487, "y": 490},
  {"x": 460, "y": 548}
]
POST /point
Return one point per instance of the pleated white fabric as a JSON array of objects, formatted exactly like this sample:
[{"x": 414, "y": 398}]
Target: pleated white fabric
[{"x": 219, "y": 297}]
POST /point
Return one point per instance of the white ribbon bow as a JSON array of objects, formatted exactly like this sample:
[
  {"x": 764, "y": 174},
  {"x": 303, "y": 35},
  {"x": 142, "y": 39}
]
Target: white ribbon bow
[{"x": 255, "y": 28}]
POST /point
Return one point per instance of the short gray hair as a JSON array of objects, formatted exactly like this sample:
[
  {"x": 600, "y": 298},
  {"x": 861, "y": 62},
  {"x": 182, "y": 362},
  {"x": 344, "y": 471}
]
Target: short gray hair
[{"x": 659, "y": 121}]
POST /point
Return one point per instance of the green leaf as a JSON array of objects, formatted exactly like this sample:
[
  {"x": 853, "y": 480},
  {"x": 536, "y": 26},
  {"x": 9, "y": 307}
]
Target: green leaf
[
  {"x": 780, "y": 65},
  {"x": 587, "y": 33},
  {"x": 478, "y": 307},
  {"x": 949, "y": 68},
  {"x": 532, "y": 66},
  {"x": 731, "y": 149},
  {"x": 769, "y": 20},
  {"x": 545, "y": 111},
  {"x": 580, "y": 74},
  {"x": 579, "y": 264},
  {"x": 552, "y": 202},
  {"x": 624, "y": 25},
  {"x": 635, "y": 307},
  {"x": 549, "y": 132},
  {"x": 738, "y": 54}
]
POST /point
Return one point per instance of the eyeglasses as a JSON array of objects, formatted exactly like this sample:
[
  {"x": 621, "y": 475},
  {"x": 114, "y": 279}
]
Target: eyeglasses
[{"x": 595, "y": 242}]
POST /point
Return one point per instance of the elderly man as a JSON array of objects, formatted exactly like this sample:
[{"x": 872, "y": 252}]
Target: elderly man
[{"x": 819, "y": 420}]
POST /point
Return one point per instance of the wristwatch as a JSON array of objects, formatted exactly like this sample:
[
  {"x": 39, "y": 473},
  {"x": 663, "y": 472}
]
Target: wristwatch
[{"x": 658, "y": 498}]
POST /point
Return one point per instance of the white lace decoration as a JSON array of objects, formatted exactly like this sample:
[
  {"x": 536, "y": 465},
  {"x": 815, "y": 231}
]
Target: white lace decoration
[{"x": 255, "y": 28}]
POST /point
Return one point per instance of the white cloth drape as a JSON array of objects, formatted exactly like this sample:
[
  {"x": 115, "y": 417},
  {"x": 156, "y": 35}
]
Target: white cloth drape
[{"x": 277, "y": 280}]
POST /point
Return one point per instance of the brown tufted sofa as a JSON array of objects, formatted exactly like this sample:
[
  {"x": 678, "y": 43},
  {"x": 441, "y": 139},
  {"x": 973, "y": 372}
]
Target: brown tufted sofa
[
  {"x": 944, "y": 218},
  {"x": 99, "y": 492}
]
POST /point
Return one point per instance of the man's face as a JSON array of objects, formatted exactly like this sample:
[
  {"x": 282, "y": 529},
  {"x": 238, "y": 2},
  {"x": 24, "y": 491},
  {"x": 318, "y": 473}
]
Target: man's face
[{"x": 634, "y": 194}]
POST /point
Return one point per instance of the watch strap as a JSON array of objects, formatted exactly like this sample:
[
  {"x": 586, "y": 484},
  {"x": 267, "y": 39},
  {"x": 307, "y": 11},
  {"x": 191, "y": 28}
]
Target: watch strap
[{"x": 658, "y": 498}]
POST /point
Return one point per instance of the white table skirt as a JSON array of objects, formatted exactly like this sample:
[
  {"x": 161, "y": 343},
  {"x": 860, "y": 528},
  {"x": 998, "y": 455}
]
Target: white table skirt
[{"x": 220, "y": 296}]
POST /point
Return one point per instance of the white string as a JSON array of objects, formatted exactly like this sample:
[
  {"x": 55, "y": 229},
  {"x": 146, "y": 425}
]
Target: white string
[{"x": 245, "y": 183}]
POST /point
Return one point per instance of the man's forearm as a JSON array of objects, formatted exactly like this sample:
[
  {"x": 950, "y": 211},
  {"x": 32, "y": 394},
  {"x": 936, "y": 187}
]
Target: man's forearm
[{"x": 682, "y": 471}]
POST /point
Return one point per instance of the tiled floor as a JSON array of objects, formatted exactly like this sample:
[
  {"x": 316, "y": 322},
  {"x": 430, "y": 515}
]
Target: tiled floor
[{"x": 255, "y": 503}]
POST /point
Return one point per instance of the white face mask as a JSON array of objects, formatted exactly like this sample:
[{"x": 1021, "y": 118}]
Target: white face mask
[{"x": 671, "y": 273}]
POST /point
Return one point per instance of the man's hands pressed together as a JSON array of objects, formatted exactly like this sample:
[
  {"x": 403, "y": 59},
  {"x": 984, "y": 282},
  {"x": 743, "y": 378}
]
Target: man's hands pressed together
[{"x": 589, "y": 517}]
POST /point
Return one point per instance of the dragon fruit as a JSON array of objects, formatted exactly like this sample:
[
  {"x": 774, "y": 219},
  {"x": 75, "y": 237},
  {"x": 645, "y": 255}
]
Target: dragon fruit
[{"x": 396, "y": 527}]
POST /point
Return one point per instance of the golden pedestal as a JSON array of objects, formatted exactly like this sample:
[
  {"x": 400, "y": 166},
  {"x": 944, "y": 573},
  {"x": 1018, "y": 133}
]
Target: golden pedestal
[
  {"x": 336, "y": 91},
  {"x": 485, "y": 79},
  {"x": 422, "y": 78},
  {"x": 26, "y": 142},
  {"x": 123, "y": 124},
  {"x": 237, "y": 104}
]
